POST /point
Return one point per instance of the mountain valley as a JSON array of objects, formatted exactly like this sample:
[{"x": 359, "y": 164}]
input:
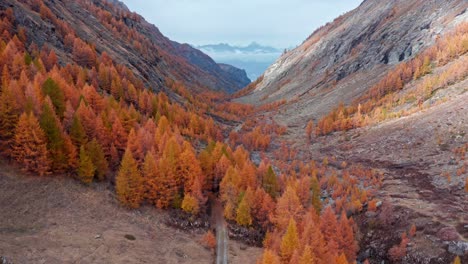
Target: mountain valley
[{"x": 119, "y": 145}]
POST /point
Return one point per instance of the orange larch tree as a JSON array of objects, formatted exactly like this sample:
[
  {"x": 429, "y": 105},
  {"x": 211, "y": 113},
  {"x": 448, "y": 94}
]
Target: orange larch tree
[
  {"x": 128, "y": 183},
  {"x": 30, "y": 145},
  {"x": 288, "y": 206},
  {"x": 289, "y": 242}
]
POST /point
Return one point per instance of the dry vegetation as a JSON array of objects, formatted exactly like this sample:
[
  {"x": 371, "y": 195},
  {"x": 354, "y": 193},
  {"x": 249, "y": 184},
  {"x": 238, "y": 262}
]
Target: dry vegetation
[{"x": 94, "y": 120}]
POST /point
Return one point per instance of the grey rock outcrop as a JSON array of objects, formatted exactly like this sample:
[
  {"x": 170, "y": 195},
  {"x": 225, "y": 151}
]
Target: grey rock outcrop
[{"x": 458, "y": 248}]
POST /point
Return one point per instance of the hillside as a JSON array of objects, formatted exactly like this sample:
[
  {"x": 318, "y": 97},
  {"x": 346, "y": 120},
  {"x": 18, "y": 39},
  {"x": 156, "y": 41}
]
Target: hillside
[
  {"x": 353, "y": 149},
  {"x": 126, "y": 37},
  {"x": 344, "y": 58},
  {"x": 59, "y": 221},
  {"x": 385, "y": 87}
]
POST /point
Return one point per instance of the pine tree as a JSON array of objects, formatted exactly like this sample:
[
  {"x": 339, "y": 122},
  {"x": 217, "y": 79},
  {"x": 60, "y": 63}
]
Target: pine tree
[
  {"x": 244, "y": 217},
  {"x": 329, "y": 228},
  {"x": 86, "y": 169},
  {"x": 190, "y": 205},
  {"x": 229, "y": 192},
  {"x": 288, "y": 206},
  {"x": 316, "y": 193},
  {"x": 289, "y": 242},
  {"x": 77, "y": 132},
  {"x": 270, "y": 183},
  {"x": 71, "y": 151},
  {"x": 52, "y": 89},
  {"x": 68, "y": 116},
  {"x": 313, "y": 236},
  {"x": 98, "y": 158},
  {"x": 269, "y": 257},
  {"x": 165, "y": 184},
  {"x": 8, "y": 118},
  {"x": 128, "y": 183},
  {"x": 55, "y": 142},
  {"x": 150, "y": 174},
  {"x": 295, "y": 257},
  {"x": 119, "y": 135},
  {"x": 189, "y": 168},
  {"x": 307, "y": 256},
  {"x": 134, "y": 144},
  {"x": 346, "y": 241},
  {"x": 30, "y": 146}
]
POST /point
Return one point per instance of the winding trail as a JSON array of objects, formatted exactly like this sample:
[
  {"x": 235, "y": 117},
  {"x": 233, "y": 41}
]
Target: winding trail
[{"x": 221, "y": 233}]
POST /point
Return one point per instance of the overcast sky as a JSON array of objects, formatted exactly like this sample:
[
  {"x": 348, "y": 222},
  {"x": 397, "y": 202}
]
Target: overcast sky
[{"x": 278, "y": 23}]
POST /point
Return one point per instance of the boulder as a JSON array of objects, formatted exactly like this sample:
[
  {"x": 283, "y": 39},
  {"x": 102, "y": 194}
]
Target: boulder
[{"x": 458, "y": 248}]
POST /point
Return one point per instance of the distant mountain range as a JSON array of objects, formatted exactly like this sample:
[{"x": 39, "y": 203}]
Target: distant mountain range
[
  {"x": 254, "y": 58},
  {"x": 251, "y": 48}
]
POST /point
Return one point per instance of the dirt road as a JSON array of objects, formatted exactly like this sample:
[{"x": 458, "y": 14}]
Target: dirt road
[{"x": 221, "y": 233}]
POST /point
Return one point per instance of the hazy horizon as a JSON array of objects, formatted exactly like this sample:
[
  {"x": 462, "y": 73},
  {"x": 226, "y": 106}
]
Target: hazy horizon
[{"x": 271, "y": 23}]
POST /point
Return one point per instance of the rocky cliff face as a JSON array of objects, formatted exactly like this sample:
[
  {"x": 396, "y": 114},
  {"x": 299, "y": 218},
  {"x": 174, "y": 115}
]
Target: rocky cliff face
[
  {"x": 159, "y": 60},
  {"x": 240, "y": 74},
  {"x": 344, "y": 58}
]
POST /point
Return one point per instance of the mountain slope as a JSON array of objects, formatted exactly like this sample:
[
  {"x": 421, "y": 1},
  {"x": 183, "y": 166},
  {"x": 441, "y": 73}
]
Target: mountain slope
[
  {"x": 384, "y": 87},
  {"x": 233, "y": 78},
  {"x": 126, "y": 37},
  {"x": 59, "y": 221},
  {"x": 344, "y": 58}
]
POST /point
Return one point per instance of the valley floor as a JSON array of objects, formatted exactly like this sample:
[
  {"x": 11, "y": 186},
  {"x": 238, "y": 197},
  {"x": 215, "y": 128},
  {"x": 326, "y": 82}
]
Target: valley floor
[
  {"x": 416, "y": 156},
  {"x": 58, "y": 220}
]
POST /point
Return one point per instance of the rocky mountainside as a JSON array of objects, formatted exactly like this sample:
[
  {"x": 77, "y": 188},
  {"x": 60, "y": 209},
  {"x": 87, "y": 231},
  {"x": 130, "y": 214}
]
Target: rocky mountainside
[
  {"x": 385, "y": 86},
  {"x": 241, "y": 74},
  {"x": 126, "y": 37},
  {"x": 344, "y": 58},
  {"x": 233, "y": 78}
]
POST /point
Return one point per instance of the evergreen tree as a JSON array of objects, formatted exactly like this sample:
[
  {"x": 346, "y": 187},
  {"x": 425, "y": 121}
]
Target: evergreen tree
[
  {"x": 150, "y": 174},
  {"x": 269, "y": 257},
  {"x": 77, "y": 132},
  {"x": 329, "y": 228},
  {"x": 244, "y": 217},
  {"x": 55, "y": 142},
  {"x": 346, "y": 241},
  {"x": 86, "y": 169},
  {"x": 270, "y": 183},
  {"x": 128, "y": 183},
  {"x": 307, "y": 256},
  {"x": 98, "y": 158},
  {"x": 289, "y": 242},
  {"x": 190, "y": 205},
  {"x": 52, "y": 89},
  {"x": 316, "y": 193},
  {"x": 30, "y": 146},
  {"x": 288, "y": 206},
  {"x": 8, "y": 118}
]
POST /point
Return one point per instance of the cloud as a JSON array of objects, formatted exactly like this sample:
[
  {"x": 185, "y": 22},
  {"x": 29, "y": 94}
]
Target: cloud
[{"x": 272, "y": 22}]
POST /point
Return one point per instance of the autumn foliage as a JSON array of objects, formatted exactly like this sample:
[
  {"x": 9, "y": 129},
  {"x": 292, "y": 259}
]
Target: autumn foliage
[
  {"x": 376, "y": 103},
  {"x": 95, "y": 120}
]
